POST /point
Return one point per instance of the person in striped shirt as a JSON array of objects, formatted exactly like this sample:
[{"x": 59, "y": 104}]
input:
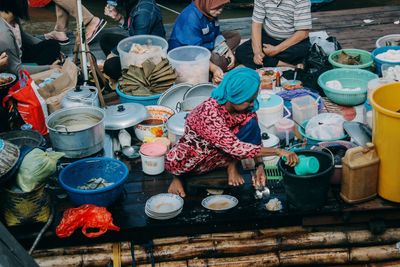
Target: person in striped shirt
[{"x": 279, "y": 34}]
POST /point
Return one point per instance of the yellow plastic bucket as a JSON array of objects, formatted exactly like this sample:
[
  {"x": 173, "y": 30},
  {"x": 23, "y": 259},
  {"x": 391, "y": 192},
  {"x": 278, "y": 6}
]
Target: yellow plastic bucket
[{"x": 386, "y": 137}]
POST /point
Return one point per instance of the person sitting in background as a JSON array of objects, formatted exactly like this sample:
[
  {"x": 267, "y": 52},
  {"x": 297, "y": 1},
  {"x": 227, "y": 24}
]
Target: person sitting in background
[
  {"x": 198, "y": 25},
  {"x": 141, "y": 17},
  {"x": 66, "y": 8},
  {"x": 279, "y": 34},
  {"x": 22, "y": 48},
  {"x": 3, "y": 61},
  {"x": 221, "y": 131}
]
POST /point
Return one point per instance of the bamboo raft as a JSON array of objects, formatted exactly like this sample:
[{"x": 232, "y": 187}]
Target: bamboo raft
[{"x": 285, "y": 246}]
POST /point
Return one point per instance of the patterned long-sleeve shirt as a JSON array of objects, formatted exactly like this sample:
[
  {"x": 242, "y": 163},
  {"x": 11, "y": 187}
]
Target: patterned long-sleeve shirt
[{"x": 209, "y": 141}]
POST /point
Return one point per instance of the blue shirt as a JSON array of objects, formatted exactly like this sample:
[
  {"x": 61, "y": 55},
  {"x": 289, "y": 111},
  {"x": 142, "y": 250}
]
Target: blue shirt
[{"x": 193, "y": 28}]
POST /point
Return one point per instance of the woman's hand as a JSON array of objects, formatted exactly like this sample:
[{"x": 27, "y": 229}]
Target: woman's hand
[
  {"x": 112, "y": 12},
  {"x": 217, "y": 72},
  {"x": 3, "y": 60},
  {"x": 231, "y": 57},
  {"x": 259, "y": 178},
  {"x": 291, "y": 157}
]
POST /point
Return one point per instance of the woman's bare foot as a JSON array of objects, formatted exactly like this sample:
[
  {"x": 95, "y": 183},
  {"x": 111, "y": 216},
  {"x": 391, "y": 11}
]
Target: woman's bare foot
[
  {"x": 234, "y": 177},
  {"x": 176, "y": 187},
  {"x": 94, "y": 27}
]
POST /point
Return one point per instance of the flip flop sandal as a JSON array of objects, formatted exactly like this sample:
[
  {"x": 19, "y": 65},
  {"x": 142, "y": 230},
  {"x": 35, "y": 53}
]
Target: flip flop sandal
[
  {"x": 98, "y": 29},
  {"x": 61, "y": 42}
]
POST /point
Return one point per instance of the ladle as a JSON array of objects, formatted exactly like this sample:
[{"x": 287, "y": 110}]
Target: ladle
[{"x": 131, "y": 152}]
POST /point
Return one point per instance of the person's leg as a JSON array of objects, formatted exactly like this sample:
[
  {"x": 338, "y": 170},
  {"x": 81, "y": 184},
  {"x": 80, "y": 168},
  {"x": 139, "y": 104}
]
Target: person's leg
[
  {"x": 244, "y": 53},
  {"x": 232, "y": 39},
  {"x": 69, "y": 6},
  {"x": 62, "y": 19},
  {"x": 109, "y": 41},
  {"x": 43, "y": 53},
  {"x": 295, "y": 54}
]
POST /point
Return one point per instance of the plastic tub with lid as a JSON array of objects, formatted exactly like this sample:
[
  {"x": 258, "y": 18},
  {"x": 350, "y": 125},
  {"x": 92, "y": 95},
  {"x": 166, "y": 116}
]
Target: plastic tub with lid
[
  {"x": 191, "y": 64},
  {"x": 270, "y": 111},
  {"x": 153, "y": 157},
  {"x": 127, "y": 58},
  {"x": 304, "y": 108}
]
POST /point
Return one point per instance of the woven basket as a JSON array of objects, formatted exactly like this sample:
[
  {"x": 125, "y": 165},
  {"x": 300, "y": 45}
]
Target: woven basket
[{"x": 25, "y": 207}]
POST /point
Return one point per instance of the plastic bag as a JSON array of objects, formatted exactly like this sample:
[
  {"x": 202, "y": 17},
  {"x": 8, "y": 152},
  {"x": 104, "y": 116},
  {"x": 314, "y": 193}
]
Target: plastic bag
[
  {"x": 87, "y": 216},
  {"x": 326, "y": 126},
  {"x": 30, "y": 105},
  {"x": 317, "y": 63},
  {"x": 36, "y": 166}
]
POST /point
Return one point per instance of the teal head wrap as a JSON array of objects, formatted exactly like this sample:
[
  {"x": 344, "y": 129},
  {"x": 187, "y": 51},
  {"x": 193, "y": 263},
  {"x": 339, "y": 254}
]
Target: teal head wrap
[{"x": 237, "y": 87}]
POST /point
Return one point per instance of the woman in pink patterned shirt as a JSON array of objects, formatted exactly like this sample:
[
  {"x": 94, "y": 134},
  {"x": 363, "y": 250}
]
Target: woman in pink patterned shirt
[{"x": 221, "y": 131}]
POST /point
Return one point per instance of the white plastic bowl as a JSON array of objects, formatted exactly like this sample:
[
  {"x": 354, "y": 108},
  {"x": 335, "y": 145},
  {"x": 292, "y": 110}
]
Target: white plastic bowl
[{"x": 127, "y": 58}]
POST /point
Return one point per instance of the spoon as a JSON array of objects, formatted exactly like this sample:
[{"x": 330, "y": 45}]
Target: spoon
[
  {"x": 130, "y": 151},
  {"x": 261, "y": 191}
]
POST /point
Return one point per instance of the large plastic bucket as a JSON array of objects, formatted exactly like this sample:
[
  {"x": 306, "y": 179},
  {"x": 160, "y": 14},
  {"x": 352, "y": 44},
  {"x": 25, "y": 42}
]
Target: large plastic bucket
[
  {"x": 308, "y": 192},
  {"x": 386, "y": 137}
]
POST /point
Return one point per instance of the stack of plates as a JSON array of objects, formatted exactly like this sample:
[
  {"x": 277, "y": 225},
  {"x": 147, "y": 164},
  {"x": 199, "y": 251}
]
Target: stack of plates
[{"x": 163, "y": 206}]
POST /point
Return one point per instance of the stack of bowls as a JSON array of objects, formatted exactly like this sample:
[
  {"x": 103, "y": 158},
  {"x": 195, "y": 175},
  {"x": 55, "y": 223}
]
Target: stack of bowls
[{"x": 164, "y": 206}]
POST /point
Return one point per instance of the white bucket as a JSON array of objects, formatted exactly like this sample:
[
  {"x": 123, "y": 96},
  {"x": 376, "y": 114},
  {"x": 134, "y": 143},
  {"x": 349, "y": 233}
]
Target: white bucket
[
  {"x": 152, "y": 165},
  {"x": 272, "y": 142},
  {"x": 270, "y": 111},
  {"x": 153, "y": 157}
]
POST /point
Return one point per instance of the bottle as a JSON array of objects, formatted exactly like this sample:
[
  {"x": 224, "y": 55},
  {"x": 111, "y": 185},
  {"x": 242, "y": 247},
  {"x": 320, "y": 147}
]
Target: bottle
[{"x": 278, "y": 79}]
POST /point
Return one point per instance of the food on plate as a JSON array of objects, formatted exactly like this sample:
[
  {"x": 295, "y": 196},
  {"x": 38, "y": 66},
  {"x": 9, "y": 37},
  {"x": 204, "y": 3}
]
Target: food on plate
[
  {"x": 215, "y": 191},
  {"x": 6, "y": 80},
  {"x": 268, "y": 77},
  {"x": 274, "y": 204},
  {"x": 292, "y": 85}
]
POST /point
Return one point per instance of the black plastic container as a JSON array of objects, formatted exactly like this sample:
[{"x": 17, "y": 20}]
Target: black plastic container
[{"x": 308, "y": 192}]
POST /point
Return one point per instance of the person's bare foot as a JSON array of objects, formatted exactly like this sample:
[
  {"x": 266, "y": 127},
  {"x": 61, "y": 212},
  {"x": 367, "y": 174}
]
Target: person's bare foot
[
  {"x": 234, "y": 177},
  {"x": 176, "y": 187},
  {"x": 91, "y": 27}
]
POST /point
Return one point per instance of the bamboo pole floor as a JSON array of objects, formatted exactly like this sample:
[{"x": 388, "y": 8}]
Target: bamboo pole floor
[{"x": 128, "y": 213}]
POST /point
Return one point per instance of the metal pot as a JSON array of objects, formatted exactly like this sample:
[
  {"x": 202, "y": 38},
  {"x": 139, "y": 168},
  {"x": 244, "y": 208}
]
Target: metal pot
[
  {"x": 176, "y": 126},
  {"x": 78, "y": 131},
  {"x": 81, "y": 96},
  {"x": 190, "y": 103}
]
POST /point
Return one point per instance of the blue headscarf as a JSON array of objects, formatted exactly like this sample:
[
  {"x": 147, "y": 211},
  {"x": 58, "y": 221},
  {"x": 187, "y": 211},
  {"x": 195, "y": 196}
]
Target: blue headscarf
[{"x": 238, "y": 86}]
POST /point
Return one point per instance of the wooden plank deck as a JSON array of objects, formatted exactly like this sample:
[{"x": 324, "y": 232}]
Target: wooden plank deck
[{"x": 346, "y": 25}]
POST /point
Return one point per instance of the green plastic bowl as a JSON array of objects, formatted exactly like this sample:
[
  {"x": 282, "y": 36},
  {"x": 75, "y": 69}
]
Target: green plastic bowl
[
  {"x": 366, "y": 59},
  {"x": 349, "y": 78},
  {"x": 314, "y": 141}
]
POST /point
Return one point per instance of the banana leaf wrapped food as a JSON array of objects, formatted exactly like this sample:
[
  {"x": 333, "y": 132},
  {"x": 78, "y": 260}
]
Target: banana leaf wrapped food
[{"x": 149, "y": 79}]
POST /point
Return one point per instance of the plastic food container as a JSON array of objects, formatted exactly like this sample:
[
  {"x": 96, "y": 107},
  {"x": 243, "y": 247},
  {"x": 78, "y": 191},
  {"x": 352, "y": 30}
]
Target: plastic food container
[
  {"x": 153, "y": 157},
  {"x": 270, "y": 111},
  {"x": 379, "y": 62},
  {"x": 304, "y": 108},
  {"x": 128, "y": 58},
  {"x": 191, "y": 64}
]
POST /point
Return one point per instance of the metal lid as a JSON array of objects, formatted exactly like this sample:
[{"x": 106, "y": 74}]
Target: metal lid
[
  {"x": 174, "y": 95},
  {"x": 269, "y": 140},
  {"x": 82, "y": 92},
  {"x": 176, "y": 124},
  {"x": 201, "y": 89},
  {"x": 124, "y": 115}
]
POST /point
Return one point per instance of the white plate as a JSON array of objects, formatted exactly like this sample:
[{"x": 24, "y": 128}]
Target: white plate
[
  {"x": 162, "y": 214},
  {"x": 164, "y": 203},
  {"x": 7, "y": 75},
  {"x": 219, "y": 202},
  {"x": 156, "y": 217}
]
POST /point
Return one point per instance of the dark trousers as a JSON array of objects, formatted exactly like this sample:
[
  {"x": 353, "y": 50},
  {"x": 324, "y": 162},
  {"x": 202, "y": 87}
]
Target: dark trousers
[
  {"x": 108, "y": 43},
  {"x": 293, "y": 55},
  {"x": 232, "y": 39},
  {"x": 43, "y": 53}
]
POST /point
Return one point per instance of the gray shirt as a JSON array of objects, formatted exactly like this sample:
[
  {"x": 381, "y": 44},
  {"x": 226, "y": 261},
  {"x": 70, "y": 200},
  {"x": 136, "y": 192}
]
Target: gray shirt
[
  {"x": 281, "y": 18},
  {"x": 9, "y": 45}
]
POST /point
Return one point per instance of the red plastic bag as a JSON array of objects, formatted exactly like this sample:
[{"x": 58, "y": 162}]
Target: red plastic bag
[
  {"x": 28, "y": 102},
  {"x": 38, "y": 3},
  {"x": 87, "y": 216}
]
